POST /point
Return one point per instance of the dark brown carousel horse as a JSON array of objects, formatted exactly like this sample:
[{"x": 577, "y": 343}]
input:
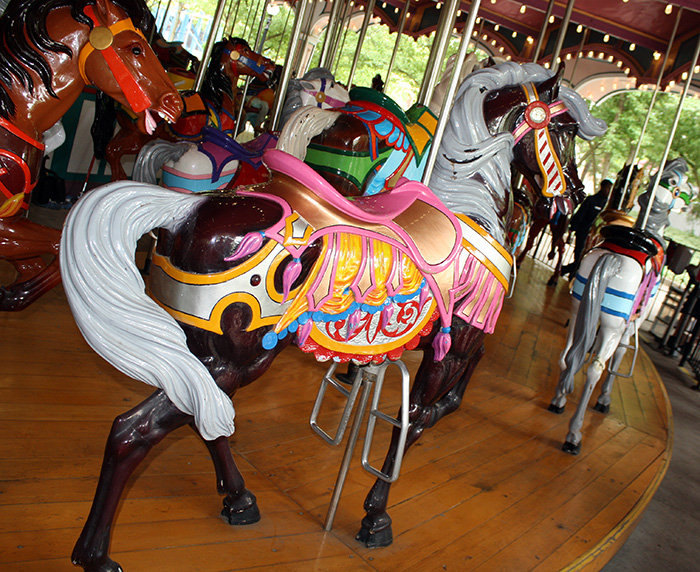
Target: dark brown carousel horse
[
  {"x": 214, "y": 106},
  {"x": 547, "y": 213},
  {"x": 241, "y": 274},
  {"x": 51, "y": 51}
]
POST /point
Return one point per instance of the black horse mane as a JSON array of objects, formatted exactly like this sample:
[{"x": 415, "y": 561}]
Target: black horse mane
[
  {"x": 19, "y": 52},
  {"x": 216, "y": 83}
]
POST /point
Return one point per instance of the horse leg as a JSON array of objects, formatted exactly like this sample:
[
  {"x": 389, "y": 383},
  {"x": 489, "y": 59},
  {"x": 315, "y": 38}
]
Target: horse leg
[
  {"x": 240, "y": 506},
  {"x": 534, "y": 231},
  {"x": 437, "y": 390},
  {"x": 558, "y": 402},
  {"x": 557, "y": 269},
  {"x": 603, "y": 403},
  {"x": 132, "y": 436},
  {"x": 22, "y": 242},
  {"x": 610, "y": 339}
]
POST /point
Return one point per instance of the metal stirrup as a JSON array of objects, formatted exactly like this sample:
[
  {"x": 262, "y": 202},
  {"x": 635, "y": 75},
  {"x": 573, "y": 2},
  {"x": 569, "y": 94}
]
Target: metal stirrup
[
  {"x": 635, "y": 347},
  {"x": 401, "y": 424},
  {"x": 350, "y": 396}
]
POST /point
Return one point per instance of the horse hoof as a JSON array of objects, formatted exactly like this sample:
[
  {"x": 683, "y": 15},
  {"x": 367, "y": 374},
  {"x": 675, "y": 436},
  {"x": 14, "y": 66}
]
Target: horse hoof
[
  {"x": 552, "y": 281},
  {"x": 570, "y": 448},
  {"x": 556, "y": 409},
  {"x": 376, "y": 531},
  {"x": 241, "y": 511},
  {"x": 107, "y": 565},
  {"x": 602, "y": 408}
]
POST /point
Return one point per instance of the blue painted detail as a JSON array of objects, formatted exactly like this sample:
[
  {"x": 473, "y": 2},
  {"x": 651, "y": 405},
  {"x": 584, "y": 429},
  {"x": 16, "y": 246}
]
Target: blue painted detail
[
  {"x": 368, "y": 115},
  {"x": 303, "y": 318},
  {"x": 615, "y": 303},
  {"x": 384, "y": 128},
  {"x": 293, "y": 327},
  {"x": 395, "y": 134},
  {"x": 445, "y": 329},
  {"x": 282, "y": 334},
  {"x": 269, "y": 340}
]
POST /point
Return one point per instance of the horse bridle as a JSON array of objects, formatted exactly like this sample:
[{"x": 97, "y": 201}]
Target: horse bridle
[
  {"x": 101, "y": 39},
  {"x": 238, "y": 56},
  {"x": 537, "y": 118}
]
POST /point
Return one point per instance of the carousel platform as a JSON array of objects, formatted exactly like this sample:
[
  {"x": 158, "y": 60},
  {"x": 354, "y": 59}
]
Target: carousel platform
[{"x": 487, "y": 489}]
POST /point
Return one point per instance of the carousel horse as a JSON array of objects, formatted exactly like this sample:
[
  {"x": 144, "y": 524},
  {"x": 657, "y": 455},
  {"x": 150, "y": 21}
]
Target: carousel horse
[
  {"x": 51, "y": 51},
  {"x": 613, "y": 292},
  {"x": 240, "y": 275},
  {"x": 554, "y": 214},
  {"x": 214, "y": 106},
  {"x": 217, "y": 161}
]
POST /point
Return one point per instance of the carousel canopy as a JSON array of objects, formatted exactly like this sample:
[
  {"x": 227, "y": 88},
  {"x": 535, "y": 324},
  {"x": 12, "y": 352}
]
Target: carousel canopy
[{"x": 632, "y": 34}]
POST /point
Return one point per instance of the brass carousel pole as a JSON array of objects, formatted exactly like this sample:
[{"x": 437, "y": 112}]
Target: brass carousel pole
[
  {"x": 437, "y": 52},
  {"x": 199, "y": 80},
  {"x": 332, "y": 26},
  {"x": 451, "y": 90},
  {"x": 676, "y": 119},
  {"x": 651, "y": 106},
  {"x": 399, "y": 32},
  {"x": 338, "y": 51},
  {"x": 360, "y": 41},
  {"x": 543, "y": 32},
  {"x": 560, "y": 36},
  {"x": 287, "y": 71}
]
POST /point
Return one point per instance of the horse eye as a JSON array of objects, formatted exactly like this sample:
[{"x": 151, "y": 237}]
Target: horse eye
[{"x": 136, "y": 50}]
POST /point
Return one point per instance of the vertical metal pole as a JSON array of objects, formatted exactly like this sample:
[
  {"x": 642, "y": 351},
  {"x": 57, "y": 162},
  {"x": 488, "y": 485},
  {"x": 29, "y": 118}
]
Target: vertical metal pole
[
  {"x": 298, "y": 63},
  {"x": 651, "y": 106},
  {"x": 333, "y": 23},
  {"x": 399, "y": 32},
  {"x": 562, "y": 33},
  {"x": 258, "y": 48},
  {"x": 284, "y": 29},
  {"x": 199, "y": 80},
  {"x": 360, "y": 41},
  {"x": 338, "y": 51},
  {"x": 451, "y": 90},
  {"x": 367, "y": 380},
  {"x": 584, "y": 39},
  {"x": 287, "y": 71},
  {"x": 543, "y": 31},
  {"x": 437, "y": 52},
  {"x": 676, "y": 119},
  {"x": 228, "y": 17}
]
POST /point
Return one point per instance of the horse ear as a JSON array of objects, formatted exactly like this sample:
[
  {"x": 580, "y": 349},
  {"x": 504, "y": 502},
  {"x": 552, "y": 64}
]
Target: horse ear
[{"x": 106, "y": 12}]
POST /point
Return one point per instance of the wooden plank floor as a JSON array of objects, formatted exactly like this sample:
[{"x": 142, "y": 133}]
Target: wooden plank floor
[{"x": 487, "y": 489}]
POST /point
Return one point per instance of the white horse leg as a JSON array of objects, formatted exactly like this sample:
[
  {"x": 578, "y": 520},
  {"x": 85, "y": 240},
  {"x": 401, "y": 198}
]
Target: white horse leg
[
  {"x": 611, "y": 330},
  {"x": 603, "y": 403},
  {"x": 559, "y": 400}
]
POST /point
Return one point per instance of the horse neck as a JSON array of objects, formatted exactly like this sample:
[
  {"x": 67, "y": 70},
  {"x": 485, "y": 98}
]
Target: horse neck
[{"x": 37, "y": 111}]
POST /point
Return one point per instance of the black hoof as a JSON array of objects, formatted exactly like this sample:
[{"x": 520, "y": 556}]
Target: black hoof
[
  {"x": 602, "y": 408},
  {"x": 376, "y": 531},
  {"x": 106, "y": 565},
  {"x": 243, "y": 510},
  {"x": 570, "y": 448},
  {"x": 556, "y": 409}
]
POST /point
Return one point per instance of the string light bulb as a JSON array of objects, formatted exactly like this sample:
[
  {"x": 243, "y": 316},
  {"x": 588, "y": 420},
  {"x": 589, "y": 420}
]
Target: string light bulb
[
  {"x": 551, "y": 19},
  {"x": 579, "y": 29},
  {"x": 496, "y": 28},
  {"x": 522, "y": 9},
  {"x": 633, "y": 47},
  {"x": 606, "y": 38},
  {"x": 668, "y": 9}
]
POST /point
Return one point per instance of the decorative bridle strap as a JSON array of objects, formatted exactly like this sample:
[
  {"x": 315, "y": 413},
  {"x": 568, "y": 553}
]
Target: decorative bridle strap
[
  {"x": 101, "y": 39},
  {"x": 537, "y": 117},
  {"x": 322, "y": 97},
  {"x": 17, "y": 132},
  {"x": 239, "y": 57}
]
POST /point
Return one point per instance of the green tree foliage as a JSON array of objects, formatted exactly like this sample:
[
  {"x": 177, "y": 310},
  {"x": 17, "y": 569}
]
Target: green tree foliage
[{"x": 625, "y": 114}]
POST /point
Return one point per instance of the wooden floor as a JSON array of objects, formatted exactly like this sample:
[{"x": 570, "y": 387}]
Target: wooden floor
[{"x": 487, "y": 489}]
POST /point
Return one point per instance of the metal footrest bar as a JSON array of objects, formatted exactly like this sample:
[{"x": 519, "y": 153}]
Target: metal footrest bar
[
  {"x": 401, "y": 424},
  {"x": 633, "y": 346},
  {"x": 350, "y": 395}
]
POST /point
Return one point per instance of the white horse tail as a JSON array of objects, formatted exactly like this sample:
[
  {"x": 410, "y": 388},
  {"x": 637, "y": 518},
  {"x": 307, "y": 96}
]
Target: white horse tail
[
  {"x": 587, "y": 317},
  {"x": 153, "y": 155},
  {"x": 302, "y": 126},
  {"x": 120, "y": 322}
]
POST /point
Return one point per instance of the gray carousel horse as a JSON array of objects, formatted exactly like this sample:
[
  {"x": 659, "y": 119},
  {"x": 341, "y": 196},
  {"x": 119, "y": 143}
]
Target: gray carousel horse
[{"x": 612, "y": 294}]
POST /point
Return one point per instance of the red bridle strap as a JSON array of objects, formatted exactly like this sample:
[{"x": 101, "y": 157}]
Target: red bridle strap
[{"x": 101, "y": 40}]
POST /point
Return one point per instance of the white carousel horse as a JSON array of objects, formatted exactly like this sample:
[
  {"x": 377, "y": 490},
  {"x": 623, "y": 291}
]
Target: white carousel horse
[
  {"x": 219, "y": 161},
  {"x": 612, "y": 294}
]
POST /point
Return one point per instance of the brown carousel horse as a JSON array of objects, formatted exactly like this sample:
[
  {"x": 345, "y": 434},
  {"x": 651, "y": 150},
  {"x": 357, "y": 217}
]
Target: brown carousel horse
[
  {"x": 214, "y": 106},
  {"x": 51, "y": 51},
  {"x": 241, "y": 274}
]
